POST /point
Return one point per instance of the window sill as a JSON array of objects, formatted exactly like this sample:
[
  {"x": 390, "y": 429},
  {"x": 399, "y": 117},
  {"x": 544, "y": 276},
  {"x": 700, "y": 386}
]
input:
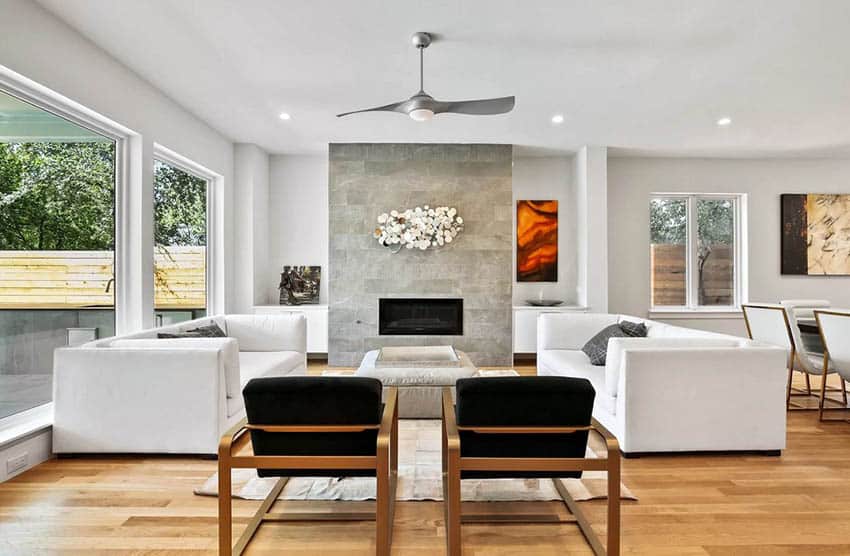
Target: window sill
[
  {"x": 672, "y": 314},
  {"x": 18, "y": 426}
]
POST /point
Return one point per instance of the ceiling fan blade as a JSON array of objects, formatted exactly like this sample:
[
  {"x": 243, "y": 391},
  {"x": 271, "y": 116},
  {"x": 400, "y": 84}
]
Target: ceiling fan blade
[
  {"x": 482, "y": 107},
  {"x": 394, "y": 107}
]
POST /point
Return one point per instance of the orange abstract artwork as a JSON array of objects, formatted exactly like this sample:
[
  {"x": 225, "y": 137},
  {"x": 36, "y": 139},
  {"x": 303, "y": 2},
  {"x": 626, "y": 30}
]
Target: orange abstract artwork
[{"x": 537, "y": 241}]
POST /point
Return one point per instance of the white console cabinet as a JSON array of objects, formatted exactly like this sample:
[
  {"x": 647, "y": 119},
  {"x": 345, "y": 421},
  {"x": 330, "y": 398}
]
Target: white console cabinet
[
  {"x": 525, "y": 324},
  {"x": 317, "y": 322}
]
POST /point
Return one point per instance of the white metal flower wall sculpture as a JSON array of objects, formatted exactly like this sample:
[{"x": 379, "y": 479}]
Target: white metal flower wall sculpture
[{"x": 418, "y": 228}]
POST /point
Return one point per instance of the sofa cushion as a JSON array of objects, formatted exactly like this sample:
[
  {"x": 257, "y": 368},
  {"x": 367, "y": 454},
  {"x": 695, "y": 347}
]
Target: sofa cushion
[
  {"x": 597, "y": 346},
  {"x": 207, "y": 331},
  {"x": 254, "y": 364},
  {"x": 228, "y": 346},
  {"x": 633, "y": 329},
  {"x": 283, "y": 332}
]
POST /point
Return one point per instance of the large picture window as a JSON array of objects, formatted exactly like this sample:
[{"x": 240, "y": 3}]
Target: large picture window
[
  {"x": 695, "y": 254},
  {"x": 57, "y": 241},
  {"x": 180, "y": 243}
]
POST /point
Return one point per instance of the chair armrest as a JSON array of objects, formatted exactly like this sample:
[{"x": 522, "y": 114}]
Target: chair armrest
[
  {"x": 233, "y": 440},
  {"x": 611, "y": 442},
  {"x": 389, "y": 420},
  {"x": 449, "y": 422}
]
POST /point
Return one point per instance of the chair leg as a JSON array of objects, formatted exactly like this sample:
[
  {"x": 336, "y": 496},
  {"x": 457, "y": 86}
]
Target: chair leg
[
  {"x": 383, "y": 523},
  {"x": 451, "y": 494},
  {"x": 788, "y": 393},
  {"x": 822, "y": 392},
  {"x": 613, "y": 547},
  {"x": 225, "y": 515},
  {"x": 808, "y": 385},
  {"x": 453, "y": 505},
  {"x": 843, "y": 391}
]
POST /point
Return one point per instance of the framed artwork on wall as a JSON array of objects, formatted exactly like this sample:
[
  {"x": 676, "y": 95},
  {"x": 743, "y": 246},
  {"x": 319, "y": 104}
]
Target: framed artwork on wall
[
  {"x": 816, "y": 234},
  {"x": 537, "y": 241}
]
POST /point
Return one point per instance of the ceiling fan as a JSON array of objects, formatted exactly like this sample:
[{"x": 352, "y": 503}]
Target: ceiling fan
[{"x": 422, "y": 106}]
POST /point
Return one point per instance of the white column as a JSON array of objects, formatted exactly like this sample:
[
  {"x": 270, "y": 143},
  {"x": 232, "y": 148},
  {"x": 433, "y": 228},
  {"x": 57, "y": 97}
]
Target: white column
[
  {"x": 134, "y": 289},
  {"x": 591, "y": 168},
  {"x": 251, "y": 216}
]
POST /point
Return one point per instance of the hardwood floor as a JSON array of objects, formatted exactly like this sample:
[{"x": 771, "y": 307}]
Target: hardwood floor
[{"x": 798, "y": 503}]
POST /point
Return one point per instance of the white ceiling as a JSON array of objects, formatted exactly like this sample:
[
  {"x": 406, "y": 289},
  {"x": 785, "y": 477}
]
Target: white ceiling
[{"x": 641, "y": 76}]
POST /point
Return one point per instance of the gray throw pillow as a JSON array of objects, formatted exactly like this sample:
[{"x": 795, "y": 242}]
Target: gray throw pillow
[
  {"x": 597, "y": 347},
  {"x": 633, "y": 329},
  {"x": 209, "y": 331}
]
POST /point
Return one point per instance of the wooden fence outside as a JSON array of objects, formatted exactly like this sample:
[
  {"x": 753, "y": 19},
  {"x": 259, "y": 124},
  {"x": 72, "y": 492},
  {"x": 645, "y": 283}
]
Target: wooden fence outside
[
  {"x": 75, "y": 279},
  {"x": 667, "y": 282}
]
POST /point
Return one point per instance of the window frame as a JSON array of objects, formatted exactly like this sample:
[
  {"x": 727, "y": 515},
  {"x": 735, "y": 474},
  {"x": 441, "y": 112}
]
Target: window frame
[
  {"x": 128, "y": 148},
  {"x": 739, "y": 290},
  {"x": 214, "y": 260}
]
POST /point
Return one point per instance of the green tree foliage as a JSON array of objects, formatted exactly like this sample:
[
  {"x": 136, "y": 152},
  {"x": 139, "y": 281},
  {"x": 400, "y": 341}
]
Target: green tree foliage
[
  {"x": 180, "y": 205},
  {"x": 57, "y": 196}
]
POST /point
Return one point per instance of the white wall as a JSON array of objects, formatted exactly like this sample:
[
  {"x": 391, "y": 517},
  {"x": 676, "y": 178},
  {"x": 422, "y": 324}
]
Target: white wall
[
  {"x": 39, "y": 46},
  {"x": 632, "y": 180},
  {"x": 298, "y": 218},
  {"x": 544, "y": 178},
  {"x": 251, "y": 225}
]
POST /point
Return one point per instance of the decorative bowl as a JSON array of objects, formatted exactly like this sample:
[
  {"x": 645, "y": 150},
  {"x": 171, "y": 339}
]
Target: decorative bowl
[{"x": 544, "y": 302}]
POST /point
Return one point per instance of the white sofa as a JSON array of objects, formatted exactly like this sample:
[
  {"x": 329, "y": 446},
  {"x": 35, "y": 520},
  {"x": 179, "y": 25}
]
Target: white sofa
[
  {"x": 139, "y": 394},
  {"x": 678, "y": 389}
]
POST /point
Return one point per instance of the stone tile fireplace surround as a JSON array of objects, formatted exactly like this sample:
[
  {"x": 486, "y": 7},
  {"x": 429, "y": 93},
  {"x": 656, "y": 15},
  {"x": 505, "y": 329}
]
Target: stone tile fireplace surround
[{"x": 367, "y": 179}]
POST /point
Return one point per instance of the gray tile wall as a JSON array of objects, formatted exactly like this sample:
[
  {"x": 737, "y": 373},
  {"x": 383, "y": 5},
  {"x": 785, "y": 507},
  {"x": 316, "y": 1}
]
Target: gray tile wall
[{"x": 368, "y": 179}]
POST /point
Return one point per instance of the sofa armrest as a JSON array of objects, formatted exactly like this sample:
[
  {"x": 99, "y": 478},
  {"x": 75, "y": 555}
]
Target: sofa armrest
[
  {"x": 616, "y": 347},
  {"x": 160, "y": 400},
  {"x": 705, "y": 398}
]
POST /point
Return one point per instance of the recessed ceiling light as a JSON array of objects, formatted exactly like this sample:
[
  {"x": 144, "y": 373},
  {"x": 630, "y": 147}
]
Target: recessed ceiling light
[
  {"x": 285, "y": 116},
  {"x": 558, "y": 119},
  {"x": 724, "y": 121}
]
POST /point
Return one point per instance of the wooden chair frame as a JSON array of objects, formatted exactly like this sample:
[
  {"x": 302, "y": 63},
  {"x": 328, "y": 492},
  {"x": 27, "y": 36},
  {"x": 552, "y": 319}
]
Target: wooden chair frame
[
  {"x": 384, "y": 462},
  {"x": 790, "y": 391},
  {"x": 454, "y": 464},
  {"x": 843, "y": 388}
]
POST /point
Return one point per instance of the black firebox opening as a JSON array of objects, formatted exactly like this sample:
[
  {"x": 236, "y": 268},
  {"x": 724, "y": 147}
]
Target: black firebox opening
[{"x": 420, "y": 316}]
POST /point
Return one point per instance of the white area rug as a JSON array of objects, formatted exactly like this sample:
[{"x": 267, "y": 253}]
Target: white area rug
[{"x": 420, "y": 478}]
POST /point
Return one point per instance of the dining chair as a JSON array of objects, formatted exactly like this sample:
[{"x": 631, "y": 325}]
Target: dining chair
[
  {"x": 834, "y": 327},
  {"x": 525, "y": 427},
  {"x": 313, "y": 427},
  {"x": 810, "y": 348},
  {"x": 803, "y": 310},
  {"x": 770, "y": 323}
]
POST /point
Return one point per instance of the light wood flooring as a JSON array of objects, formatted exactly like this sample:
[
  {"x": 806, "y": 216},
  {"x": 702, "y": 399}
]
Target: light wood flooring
[{"x": 798, "y": 503}]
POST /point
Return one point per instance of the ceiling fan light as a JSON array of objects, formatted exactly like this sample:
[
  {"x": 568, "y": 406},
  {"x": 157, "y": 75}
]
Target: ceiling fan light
[{"x": 421, "y": 114}]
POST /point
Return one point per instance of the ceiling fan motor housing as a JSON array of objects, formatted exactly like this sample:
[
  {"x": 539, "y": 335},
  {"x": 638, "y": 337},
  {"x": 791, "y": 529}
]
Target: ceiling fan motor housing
[{"x": 421, "y": 39}]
